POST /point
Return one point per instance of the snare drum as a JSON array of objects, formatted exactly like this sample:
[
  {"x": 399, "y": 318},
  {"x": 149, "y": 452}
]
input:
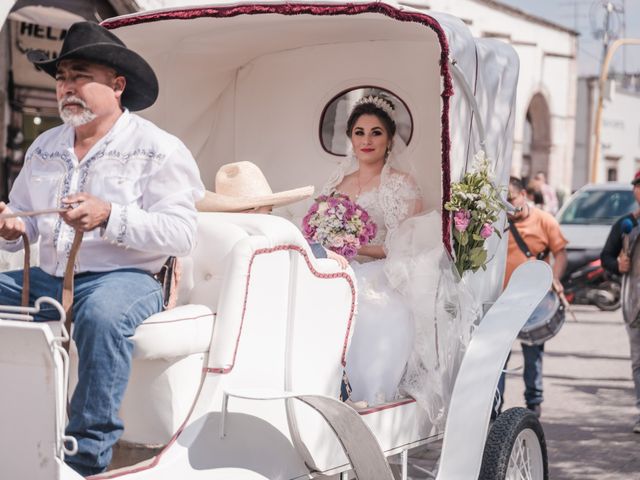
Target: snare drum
[{"x": 545, "y": 321}]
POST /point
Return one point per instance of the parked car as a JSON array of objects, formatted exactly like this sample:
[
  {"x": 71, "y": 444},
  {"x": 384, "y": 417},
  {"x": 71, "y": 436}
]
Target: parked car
[
  {"x": 585, "y": 221},
  {"x": 587, "y": 216}
]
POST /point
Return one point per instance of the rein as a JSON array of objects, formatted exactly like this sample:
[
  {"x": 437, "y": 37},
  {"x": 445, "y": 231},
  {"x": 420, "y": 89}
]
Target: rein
[{"x": 67, "y": 282}]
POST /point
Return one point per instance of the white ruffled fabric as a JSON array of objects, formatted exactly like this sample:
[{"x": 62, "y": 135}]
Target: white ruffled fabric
[
  {"x": 415, "y": 316},
  {"x": 442, "y": 308}
]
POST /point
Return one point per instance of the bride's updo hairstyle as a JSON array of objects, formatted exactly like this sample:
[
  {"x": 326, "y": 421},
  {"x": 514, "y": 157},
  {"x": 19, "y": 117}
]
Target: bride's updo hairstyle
[{"x": 373, "y": 105}]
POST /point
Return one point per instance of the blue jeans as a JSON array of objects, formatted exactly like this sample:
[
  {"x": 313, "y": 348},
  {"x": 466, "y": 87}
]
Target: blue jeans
[
  {"x": 634, "y": 343},
  {"x": 107, "y": 308},
  {"x": 532, "y": 375}
]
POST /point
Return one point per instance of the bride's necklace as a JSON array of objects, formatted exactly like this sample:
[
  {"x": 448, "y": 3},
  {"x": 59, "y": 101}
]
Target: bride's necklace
[{"x": 361, "y": 186}]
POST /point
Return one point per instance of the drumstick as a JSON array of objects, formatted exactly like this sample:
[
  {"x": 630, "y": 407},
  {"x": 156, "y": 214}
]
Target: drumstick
[
  {"x": 33, "y": 213},
  {"x": 565, "y": 302}
]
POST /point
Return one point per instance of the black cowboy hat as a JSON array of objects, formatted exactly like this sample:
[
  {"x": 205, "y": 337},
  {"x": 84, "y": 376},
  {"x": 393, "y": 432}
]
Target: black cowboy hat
[{"x": 94, "y": 43}]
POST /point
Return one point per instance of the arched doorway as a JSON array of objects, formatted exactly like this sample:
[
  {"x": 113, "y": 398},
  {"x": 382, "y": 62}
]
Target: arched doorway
[{"x": 536, "y": 138}]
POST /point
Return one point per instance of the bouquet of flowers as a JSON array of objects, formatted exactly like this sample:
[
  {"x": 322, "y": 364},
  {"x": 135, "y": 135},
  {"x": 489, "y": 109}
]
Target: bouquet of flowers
[
  {"x": 476, "y": 204},
  {"x": 337, "y": 223}
]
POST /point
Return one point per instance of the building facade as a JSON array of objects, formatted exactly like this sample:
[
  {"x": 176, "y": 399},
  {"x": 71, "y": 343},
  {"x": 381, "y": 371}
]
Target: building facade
[{"x": 619, "y": 135}]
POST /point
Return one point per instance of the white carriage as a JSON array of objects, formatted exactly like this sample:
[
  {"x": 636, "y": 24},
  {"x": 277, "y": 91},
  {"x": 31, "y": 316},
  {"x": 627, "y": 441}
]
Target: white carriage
[{"x": 241, "y": 380}]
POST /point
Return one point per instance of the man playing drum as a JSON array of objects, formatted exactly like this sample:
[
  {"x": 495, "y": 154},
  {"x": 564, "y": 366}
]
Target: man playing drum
[
  {"x": 616, "y": 259},
  {"x": 131, "y": 188},
  {"x": 541, "y": 233}
]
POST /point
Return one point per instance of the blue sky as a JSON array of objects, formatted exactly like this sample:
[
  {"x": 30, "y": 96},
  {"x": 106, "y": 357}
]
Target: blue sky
[{"x": 583, "y": 16}]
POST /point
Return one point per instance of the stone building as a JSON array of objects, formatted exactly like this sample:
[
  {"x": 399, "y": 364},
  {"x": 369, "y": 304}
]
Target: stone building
[{"x": 620, "y": 130}]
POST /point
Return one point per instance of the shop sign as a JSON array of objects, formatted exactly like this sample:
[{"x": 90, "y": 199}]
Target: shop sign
[{"x": 30, "y": 36}]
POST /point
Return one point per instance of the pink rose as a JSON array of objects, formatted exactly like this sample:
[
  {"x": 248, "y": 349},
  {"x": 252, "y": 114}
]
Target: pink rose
[
  {"x": 371, "y": 229},
  {"x": 349, "y": 251},
  {"x": 307, "y": 229},
  {"x": 461, "y": 220},
  {"x": 486, "y": 231}
]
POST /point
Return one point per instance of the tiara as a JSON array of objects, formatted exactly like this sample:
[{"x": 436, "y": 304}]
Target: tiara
[{"x": 383, "y": 104}]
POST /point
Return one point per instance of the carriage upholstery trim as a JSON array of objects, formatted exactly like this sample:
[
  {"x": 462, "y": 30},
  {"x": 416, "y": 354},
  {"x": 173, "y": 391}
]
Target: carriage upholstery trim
[
  {"x": 189, "y": 334},
  {"x": 184, "y": 319},
  {"x": 227, "y": 369},
  {"x": 301, "y": 251},
  {"x": 334, "y": 10},
  {"x": 386, "y": 406}
]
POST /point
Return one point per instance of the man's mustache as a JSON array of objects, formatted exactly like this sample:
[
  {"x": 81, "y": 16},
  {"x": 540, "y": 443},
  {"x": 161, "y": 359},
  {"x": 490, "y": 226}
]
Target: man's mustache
[{"x": 73, "y": 100}]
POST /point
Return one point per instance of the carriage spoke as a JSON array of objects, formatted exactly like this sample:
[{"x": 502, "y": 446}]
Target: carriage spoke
[{"x": 520, "y": 462}]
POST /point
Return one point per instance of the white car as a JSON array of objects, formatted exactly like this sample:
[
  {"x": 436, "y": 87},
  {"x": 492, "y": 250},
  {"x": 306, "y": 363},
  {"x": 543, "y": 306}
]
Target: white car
[{"x": 586, "y": 218}]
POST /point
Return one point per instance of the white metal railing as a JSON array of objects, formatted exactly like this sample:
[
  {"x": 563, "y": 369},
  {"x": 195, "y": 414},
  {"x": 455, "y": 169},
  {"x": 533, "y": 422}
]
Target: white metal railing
[{"x": 61, "y": 391}]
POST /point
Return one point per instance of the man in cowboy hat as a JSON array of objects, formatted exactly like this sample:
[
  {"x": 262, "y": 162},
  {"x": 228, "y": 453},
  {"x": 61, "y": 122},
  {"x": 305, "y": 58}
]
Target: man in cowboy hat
[
  {"x": 242, "y": 187},
  {"x": 616, "y": 259},
  {"x": 131, "y": 188}
]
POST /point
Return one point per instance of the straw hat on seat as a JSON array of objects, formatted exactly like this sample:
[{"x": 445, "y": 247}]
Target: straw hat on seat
[{"x": 242, "y": 186}]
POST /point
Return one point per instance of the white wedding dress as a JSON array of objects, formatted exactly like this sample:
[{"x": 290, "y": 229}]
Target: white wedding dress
[
  {"x": 383, "y": 336},
  {"x": 415, "y": 316}
]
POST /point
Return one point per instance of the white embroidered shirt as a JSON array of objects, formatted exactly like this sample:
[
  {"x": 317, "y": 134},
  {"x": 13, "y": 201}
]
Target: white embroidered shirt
[{"x": 148, "y": 175}]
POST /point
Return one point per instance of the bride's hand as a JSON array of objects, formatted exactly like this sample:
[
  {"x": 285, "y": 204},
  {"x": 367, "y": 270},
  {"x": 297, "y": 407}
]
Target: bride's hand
[
  {"x": 338, "y": 258},
  {"x": 374, "y": 251}
]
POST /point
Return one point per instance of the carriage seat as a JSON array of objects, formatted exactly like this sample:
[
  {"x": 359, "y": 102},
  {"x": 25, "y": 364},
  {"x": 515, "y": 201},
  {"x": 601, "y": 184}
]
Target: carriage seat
[
  {"x": 186, "y": 329},
  {"x": 171, "y": 347}
]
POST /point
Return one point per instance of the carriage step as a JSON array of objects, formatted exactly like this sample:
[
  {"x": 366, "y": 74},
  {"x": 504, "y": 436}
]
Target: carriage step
[{"x": 358, "y": 442}]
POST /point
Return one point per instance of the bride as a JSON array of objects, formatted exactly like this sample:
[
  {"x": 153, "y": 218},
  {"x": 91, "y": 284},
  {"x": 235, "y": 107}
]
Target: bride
[{"x": 384, "y": 332}]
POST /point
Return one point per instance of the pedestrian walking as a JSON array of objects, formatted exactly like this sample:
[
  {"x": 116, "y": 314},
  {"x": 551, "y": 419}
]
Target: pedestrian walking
[
  {"x": 550, "y": 199},
  {"x": 616, "y": 259},
  {"x": 539, "y": 236}
]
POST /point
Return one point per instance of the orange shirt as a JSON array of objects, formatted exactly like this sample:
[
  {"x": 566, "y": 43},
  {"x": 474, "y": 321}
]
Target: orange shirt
[{"x": 539, "y": 231}]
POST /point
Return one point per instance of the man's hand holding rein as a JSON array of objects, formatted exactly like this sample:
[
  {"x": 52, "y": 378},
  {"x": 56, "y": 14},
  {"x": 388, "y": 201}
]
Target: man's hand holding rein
[
  {"x": 88, "y": 212},
  {"x": 11, "y": 228}
]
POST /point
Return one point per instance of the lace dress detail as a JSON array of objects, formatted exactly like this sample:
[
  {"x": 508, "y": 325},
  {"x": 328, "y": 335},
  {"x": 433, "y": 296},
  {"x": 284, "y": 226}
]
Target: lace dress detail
[
  {"x": 389, "y": 204},
  {"x": 384, "y": 330}
]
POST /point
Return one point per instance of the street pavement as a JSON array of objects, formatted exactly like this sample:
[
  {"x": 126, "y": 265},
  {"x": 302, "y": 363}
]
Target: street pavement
[{"x": 589, "y": 405}]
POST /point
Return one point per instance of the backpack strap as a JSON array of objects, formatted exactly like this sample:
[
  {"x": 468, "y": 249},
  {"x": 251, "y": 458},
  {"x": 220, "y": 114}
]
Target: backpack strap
[{"x": 523, "y": 246}]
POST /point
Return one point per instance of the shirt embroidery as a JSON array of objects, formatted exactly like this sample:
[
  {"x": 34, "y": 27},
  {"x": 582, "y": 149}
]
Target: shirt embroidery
[
  {"x": 122, "y": 231},
  {"x": 124, "y": 168}
]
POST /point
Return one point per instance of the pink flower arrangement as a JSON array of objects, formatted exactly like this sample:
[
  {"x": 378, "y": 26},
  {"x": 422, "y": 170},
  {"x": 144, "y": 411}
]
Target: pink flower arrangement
[
  {"x": 461, "y": 220},
  {"x": 475, "y": 205},
  {"x": 337, "y": 223}
]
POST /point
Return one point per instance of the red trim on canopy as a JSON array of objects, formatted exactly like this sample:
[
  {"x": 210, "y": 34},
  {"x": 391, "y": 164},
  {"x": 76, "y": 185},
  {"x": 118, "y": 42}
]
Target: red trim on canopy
[{"x": 334, "y": 10}]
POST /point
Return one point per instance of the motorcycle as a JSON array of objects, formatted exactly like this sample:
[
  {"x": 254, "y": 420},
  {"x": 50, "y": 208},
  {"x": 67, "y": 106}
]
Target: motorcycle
[{"x": 586, "y": 282}]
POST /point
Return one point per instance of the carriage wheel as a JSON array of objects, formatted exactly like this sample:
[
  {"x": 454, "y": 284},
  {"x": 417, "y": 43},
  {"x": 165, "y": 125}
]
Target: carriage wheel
[{"x": 515, "y": 448}]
